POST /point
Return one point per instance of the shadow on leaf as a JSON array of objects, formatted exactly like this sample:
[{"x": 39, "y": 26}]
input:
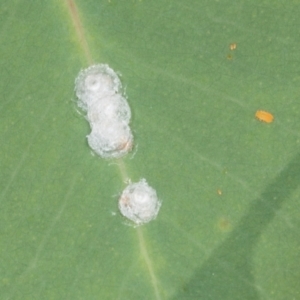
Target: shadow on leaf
[{"x": 228, "y": 273}]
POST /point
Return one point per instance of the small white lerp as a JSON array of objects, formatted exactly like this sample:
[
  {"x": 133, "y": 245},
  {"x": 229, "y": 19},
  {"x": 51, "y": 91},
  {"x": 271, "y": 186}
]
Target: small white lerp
[{"x": 139, "y": 202}]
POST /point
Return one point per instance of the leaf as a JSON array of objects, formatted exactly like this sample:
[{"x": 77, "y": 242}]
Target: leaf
[{"x": 195, "y": 74}]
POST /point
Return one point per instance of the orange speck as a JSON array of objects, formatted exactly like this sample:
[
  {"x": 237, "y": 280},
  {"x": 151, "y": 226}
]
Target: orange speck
[
  {"x": 264, "y": 116},
  {"x": 232, "y": 46}
]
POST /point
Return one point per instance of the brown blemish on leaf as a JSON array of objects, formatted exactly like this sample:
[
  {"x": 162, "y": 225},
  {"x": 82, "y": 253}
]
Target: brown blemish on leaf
[{"x": 224, "y": 224}]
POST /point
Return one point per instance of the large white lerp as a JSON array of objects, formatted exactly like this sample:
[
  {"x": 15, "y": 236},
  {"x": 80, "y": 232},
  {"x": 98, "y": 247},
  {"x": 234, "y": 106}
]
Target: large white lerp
[{"x": 98, "y": 89}]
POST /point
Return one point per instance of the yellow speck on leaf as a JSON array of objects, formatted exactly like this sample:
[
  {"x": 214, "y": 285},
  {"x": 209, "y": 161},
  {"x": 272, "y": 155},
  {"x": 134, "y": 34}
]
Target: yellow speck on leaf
[{"x": 232, "y": 46}]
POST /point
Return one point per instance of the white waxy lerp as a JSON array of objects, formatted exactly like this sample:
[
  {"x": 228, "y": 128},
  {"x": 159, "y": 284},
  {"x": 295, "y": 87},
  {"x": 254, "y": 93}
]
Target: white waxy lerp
[
  {"x": 98, "y": 89},
  {"x": 110, "y": 139},
  {"x": 94, "y": 83},
  {"x": 139, "y": 202},
  {"x": 113, "y": 107}
]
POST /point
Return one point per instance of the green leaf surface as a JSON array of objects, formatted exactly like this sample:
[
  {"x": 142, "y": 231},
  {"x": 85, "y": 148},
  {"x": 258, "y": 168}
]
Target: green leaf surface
[{"x": 229, "y": 223}]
